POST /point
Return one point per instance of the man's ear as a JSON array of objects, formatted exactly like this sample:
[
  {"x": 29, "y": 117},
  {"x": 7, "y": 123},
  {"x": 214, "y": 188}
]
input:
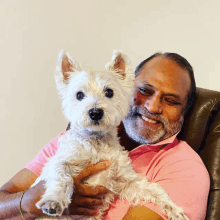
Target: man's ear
[{"x": 119, "y": 64}]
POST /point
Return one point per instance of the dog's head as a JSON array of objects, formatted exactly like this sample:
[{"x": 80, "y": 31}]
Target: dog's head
[{"x": 95, "y": 100}]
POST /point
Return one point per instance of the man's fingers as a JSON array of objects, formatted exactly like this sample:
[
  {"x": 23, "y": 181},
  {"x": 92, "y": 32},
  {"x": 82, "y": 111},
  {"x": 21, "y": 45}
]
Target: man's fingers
[
  {"x": 91, "y": 170},
  {"x": 73, "y": 211},
  {"x": 86, "y": 198},
  {"x": 89, "y": 202},
  {"x": 83, "y": 211},
  {"x": 86, "y": 190}
]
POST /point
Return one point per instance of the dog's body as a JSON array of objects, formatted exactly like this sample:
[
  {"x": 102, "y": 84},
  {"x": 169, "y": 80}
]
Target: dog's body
[{"x": 95, "y": 103}]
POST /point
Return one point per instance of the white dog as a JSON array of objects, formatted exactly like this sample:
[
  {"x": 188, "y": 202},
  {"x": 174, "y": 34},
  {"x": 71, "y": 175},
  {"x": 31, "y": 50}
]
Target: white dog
[{"x": 95, "y": 103}]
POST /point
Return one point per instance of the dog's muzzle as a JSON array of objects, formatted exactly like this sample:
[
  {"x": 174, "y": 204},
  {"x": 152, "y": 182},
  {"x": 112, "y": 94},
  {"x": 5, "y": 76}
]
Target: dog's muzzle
[{"x": 96, "y": 114}]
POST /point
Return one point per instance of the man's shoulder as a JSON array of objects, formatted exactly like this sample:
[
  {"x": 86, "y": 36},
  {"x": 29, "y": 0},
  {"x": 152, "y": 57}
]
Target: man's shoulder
[
  {"x": 48, "y": 151},
  {"x": 55, "y": 141},
  {"x": 182, "y": 150},
  {"x": 183, "y": 154},
  {"x": 177, "y": 163}
]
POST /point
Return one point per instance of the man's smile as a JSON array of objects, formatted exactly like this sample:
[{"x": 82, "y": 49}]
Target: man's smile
[{"x": 150, "y": 120}]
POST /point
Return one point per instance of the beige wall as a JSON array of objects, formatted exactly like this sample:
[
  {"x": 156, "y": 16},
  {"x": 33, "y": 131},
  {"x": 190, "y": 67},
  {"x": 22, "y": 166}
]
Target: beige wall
[{"x": 33, "y": 32}]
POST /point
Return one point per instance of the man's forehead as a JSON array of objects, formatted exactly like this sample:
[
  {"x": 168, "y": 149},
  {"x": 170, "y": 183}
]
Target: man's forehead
[
  {"x": 165, "y": 74},
  {"x": 162, "y": 64}
]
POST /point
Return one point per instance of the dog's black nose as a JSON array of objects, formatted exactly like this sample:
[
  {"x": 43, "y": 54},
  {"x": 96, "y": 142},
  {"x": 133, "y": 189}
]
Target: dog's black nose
[{"x": 96, "y": 114}]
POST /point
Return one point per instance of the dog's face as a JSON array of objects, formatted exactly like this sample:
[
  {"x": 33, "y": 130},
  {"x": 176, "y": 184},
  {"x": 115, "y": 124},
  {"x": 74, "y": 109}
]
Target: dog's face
[{"x": 92, "y": 100}]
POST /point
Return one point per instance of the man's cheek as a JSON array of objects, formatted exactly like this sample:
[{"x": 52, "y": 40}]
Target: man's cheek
[{"x": 173, "y": 114}]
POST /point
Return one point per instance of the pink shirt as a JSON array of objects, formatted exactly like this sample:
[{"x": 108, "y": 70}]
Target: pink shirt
[{"x": 176, "y": 167}]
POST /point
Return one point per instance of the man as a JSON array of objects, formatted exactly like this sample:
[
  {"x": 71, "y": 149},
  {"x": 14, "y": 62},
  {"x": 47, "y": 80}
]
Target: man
[{"x": 164, "y": 91}]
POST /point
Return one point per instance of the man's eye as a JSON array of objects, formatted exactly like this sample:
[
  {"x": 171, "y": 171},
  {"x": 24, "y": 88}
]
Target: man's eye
[
  {"x": 172, "y": 102},
  {"x": 145, "y": 91}
]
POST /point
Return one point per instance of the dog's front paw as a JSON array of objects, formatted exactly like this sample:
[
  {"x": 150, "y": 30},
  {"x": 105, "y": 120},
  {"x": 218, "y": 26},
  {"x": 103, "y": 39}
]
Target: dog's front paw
[
  {"x": 181, "y": 216},
  {"x": 52, "y": 208},
  {"x": 175, "y": 213}
]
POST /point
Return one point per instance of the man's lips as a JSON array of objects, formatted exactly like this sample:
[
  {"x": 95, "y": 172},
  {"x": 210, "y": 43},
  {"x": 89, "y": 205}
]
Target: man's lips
[
  {"x": 150, "y": 120},
  {"x": 147, "y": 118}
]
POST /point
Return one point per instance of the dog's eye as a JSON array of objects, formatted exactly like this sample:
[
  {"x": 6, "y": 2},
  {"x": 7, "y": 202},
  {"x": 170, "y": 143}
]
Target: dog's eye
[
  {"x": 80, "y": 95},
  {"x": 109, "y": 93}
]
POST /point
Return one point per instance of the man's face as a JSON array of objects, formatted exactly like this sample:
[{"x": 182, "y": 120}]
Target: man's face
[{"x": 158, "y": 102}]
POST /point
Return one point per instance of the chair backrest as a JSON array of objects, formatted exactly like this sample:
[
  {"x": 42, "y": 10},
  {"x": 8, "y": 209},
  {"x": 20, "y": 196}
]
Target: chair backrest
[{"x": 201, "y": 130}]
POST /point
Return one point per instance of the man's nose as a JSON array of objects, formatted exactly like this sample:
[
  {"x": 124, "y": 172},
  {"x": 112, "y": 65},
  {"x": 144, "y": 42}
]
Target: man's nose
[{"x": 153, "y": 105}]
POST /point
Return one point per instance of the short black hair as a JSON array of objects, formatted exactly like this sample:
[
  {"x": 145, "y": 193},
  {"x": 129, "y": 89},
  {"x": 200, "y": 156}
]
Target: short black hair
[{"x": 183, "y": 63}]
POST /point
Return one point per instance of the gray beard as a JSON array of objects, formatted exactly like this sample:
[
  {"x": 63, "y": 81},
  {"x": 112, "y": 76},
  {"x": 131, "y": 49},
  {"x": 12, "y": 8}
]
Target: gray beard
[{"x": 150, "y": 136}]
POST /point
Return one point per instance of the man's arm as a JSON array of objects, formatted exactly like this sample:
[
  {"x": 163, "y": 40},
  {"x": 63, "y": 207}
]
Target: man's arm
[
  {"x": 10, "y": 194},
  {"x": 84, "y": 200},
  {"x": 141, "y": 213}
]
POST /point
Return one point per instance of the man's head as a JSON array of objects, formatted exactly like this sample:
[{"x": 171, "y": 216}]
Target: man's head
[{"x": 164, "y": 91}]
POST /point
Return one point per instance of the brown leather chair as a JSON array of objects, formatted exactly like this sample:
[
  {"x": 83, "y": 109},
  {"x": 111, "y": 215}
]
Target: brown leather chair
[{"x": 201, "y": 130}]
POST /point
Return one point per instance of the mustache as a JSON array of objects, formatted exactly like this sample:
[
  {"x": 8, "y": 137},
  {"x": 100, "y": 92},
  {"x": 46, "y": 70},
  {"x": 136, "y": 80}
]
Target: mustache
[{"x": 137, "y": 111}]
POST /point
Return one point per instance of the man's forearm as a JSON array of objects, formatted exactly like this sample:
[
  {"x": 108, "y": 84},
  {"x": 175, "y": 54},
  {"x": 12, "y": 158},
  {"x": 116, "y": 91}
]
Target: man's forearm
[
  {"x": 9, "y": 206},
  {"x": 141, "y": 212}
]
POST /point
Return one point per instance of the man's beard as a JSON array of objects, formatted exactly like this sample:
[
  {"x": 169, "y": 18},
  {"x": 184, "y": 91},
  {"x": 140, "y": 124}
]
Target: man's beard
[{"x": 147, "y": 135}]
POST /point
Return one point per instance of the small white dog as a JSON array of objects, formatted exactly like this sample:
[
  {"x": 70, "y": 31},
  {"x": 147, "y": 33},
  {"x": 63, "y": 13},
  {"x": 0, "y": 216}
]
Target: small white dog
[{"x": 95, "y": 103}]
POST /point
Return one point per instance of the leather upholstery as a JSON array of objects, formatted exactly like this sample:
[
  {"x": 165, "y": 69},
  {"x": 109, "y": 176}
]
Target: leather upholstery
[{"x": 201, "y": 130}]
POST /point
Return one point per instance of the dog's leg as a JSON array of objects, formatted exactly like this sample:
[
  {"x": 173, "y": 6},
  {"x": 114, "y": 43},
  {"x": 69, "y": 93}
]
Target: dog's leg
[{"x": 59, "y": 188}]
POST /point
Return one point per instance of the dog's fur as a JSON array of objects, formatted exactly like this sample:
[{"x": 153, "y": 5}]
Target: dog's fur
[{"x": 94, "y": 138}]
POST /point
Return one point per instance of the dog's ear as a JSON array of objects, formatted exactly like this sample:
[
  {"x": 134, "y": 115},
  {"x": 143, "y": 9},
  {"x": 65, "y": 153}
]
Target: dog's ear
[
  {"x": 66, "y": 66},
  {"x": 119, "y": 64}
]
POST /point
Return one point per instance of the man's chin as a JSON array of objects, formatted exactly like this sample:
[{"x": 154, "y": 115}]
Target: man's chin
[
  {"x": 142, "y": 140},
  {"x": 149, "y": 136},
  {"x": 152, "y": 138}
]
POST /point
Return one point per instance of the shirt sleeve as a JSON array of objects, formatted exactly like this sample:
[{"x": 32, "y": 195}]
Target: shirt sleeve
[
  {"x": 187, "y": 184},
  {"x": 183, "y": 177},
  {"x": 49, "y": 150}
]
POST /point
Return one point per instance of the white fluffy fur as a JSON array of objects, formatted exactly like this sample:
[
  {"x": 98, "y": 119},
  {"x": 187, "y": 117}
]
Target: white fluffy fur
[{"x": 87, "y": 143}]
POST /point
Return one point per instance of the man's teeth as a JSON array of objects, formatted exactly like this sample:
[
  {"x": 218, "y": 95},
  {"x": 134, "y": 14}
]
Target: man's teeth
[{"x": 149, "y": 120}]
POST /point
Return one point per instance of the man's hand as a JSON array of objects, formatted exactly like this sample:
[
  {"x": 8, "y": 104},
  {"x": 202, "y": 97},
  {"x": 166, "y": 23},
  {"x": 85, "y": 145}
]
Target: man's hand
[{"x": 86, "y": 198}]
